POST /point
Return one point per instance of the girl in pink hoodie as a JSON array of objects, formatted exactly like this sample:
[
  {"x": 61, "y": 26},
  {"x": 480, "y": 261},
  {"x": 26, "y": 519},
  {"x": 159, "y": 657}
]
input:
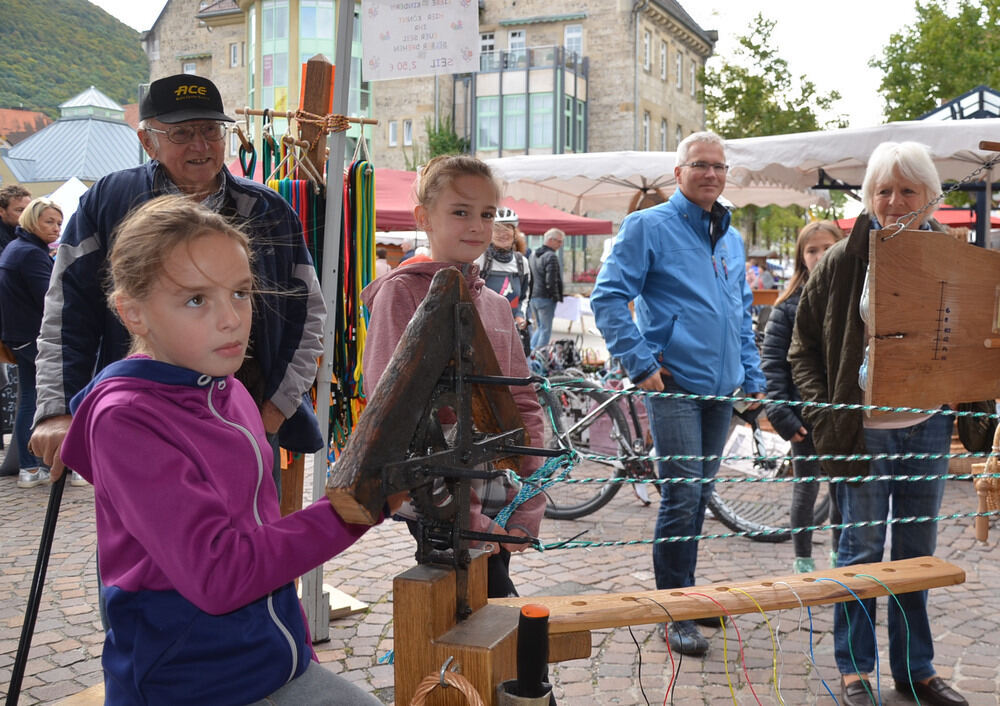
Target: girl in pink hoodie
[{"x": 457, "y": 201}]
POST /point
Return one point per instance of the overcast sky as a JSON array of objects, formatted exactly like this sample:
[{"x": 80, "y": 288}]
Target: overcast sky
[{"x": 831, "y": 43}]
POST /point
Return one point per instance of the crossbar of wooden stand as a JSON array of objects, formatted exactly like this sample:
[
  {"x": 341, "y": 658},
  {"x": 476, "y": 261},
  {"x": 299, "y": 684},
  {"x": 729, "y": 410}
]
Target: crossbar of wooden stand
[
  {"x": 586, "y": 612},
  {"x": 295, "y": 114},
  {"x": 427, "y": 633}
]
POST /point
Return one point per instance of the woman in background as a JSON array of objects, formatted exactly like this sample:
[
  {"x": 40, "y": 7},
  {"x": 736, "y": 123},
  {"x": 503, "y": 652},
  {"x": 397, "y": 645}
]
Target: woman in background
[{"x": 25, "y": 267}]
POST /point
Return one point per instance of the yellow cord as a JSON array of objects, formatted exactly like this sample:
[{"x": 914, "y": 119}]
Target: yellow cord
[{"x": 774, "y": 646}]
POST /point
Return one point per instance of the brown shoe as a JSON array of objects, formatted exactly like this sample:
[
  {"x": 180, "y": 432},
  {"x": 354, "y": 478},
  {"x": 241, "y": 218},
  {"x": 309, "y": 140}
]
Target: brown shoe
[
  {"x": 857, "y": 693},
  {"x": 934, "y": 693}
]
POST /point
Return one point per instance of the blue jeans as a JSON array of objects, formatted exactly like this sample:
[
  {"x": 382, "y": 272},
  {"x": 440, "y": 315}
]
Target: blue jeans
[
  {"x": 873, "y": 501},
  {"x": 542, "y": 311},
  {"x": 24, "y": 354},
  {"x": 688, "y": 427}
]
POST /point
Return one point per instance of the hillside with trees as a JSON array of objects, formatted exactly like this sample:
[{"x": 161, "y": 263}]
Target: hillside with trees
[{"x": 51, "y": 50}]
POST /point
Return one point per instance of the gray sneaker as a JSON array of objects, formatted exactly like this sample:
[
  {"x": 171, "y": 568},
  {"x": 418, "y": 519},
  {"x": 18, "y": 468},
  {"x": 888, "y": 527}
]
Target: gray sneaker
[
  {"x": 77, "y": 480},
  {"x": 29, "y": 479}
]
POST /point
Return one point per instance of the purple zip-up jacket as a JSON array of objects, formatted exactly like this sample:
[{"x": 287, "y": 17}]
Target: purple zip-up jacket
[{"x": 197, "y": 561}]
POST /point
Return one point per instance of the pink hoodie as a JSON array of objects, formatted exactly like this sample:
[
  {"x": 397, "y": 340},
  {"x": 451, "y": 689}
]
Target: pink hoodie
[{"x": 392, "y": 300}]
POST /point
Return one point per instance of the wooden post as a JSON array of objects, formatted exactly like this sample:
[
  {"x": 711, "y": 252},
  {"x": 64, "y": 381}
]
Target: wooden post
[
  {"x": 426, "y": 633},
  {"x": 317, "y": 95},
  {"x": 292, "y": 479}
]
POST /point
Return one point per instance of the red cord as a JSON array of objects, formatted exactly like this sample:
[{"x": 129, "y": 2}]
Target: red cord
[{"x": 739, "y": 640}]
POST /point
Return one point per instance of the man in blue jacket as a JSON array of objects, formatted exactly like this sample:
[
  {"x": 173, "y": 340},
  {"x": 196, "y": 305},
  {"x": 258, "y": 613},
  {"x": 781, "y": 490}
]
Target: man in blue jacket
[
  {"x": 683, "y": 265},
  {"x": 183, "y": 128}
]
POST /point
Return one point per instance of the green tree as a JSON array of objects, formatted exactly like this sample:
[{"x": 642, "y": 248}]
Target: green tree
[
  {"x": 940, "y": 57},
  {"x": 753, "y": 94},
  {"x": 441, "y": 139}
]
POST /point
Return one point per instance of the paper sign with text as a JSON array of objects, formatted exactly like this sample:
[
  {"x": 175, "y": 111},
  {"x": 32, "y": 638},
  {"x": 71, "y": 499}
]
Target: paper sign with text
[{"x": 404, "y": 38}]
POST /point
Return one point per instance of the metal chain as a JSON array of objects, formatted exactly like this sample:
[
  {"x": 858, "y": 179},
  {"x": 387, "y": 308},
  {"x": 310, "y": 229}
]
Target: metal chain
[{"x": 913, "y": 215}]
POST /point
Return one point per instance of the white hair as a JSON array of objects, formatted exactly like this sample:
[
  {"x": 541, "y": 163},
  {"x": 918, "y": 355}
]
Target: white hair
[
  {"x": 704, "y": 136},
  {"x": 909, "y": 160}
]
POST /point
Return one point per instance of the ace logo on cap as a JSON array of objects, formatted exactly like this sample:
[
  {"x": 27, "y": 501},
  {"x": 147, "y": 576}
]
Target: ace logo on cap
[{"x": 182, "y": 97}]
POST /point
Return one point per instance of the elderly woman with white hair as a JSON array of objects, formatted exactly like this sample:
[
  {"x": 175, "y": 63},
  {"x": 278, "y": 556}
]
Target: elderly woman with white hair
[{"x": 828, "y": 361}]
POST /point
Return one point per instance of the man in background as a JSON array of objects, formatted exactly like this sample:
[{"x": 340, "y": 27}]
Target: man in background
[{"x": 546, "y": 286}]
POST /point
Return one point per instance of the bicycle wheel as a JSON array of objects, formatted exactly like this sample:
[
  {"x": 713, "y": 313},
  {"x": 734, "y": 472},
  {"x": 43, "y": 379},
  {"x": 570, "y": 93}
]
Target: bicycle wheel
[
  {"x": 572, "y": 421},
  {"x": 760, "y": 507}
]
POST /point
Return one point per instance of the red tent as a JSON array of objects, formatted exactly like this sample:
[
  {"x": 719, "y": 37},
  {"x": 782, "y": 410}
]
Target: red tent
[
  {"x": 954, "y": 217},
  {"x": 394, "y": 201}
]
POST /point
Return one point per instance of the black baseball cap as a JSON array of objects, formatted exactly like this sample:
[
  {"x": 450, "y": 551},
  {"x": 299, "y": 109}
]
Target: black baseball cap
[{"x": 181, "y": 97}]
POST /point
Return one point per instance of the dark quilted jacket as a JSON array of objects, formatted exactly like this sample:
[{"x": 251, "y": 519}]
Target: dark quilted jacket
[{"x": 785, "y": 419}]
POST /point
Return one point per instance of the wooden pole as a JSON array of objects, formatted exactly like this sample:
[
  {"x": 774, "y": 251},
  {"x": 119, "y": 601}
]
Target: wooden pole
[{"x": 317, "y": 94}]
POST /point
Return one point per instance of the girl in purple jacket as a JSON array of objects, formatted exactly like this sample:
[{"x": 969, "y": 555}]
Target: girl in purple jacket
[{"x": 197, "y": 561}]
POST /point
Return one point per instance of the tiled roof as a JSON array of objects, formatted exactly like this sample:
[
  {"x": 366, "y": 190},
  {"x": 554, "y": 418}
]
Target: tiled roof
[
  {"x": 219, "y": 7},
  {"x": 16, "y": 125},
  {"x": 86, "y": 148}
]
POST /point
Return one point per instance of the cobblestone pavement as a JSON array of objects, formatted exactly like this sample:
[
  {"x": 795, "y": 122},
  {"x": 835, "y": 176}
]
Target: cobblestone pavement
[{"x": 65, "y": 655}]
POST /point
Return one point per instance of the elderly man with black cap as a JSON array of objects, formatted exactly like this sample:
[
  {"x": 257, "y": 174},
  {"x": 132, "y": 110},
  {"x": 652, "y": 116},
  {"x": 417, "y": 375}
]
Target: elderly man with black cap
[{"x": 183, "y": 128}]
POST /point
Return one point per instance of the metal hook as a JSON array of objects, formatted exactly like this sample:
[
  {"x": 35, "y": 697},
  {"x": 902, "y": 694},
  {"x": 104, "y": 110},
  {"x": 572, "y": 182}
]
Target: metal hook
[{"x": 444, "y": 668}]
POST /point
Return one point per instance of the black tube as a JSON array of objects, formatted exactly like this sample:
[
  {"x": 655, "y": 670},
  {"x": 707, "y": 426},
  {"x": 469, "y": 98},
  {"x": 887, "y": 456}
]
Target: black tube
[{"x": 37, "y": 584}]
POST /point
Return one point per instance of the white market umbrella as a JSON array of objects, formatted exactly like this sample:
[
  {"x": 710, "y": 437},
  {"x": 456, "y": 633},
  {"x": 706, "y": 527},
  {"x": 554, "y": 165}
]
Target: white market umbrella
[
  {"x": 598, "y": 182},
  {"x": 793, "y": 161}
]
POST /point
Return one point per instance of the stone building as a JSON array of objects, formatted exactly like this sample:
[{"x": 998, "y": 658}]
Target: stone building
[
  {"x": 560, "y": 76},
  {"x": 555, "y": 75},
  {"x": 203, "y": 37}
]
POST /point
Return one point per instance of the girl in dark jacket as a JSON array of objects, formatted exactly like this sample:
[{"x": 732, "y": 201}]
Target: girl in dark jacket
[{"x": 814, "y": 240}]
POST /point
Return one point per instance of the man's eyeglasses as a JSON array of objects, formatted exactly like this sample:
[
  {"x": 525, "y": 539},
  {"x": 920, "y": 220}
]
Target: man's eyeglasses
[
  {"x": 183, "y": 134},
  {"x": 702, "y": 167}
]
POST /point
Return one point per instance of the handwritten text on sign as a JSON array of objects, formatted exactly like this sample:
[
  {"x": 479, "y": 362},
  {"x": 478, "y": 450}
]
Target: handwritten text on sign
[{"x": 404, "y": 38}]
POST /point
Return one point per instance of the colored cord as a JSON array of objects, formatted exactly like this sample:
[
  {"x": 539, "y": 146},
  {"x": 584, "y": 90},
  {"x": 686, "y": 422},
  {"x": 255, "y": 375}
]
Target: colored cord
[
  {"x": 906, "y": 624},
  {"x": 739, "y": 642},
  {"x": 810, "y": 654},
  {"x": 878, "y": 678},
  {"x": 774, "y": 643}
]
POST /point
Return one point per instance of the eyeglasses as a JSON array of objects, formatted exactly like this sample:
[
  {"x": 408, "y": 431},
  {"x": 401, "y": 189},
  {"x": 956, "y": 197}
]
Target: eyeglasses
[
  {"x": 183, "y": 134},
  {"x": 703, "y": 167}
]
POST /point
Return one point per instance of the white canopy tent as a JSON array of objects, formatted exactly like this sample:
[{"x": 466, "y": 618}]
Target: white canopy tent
[
  {"x": 600, "y": 182},
  {"x": 794, "y": 161}
]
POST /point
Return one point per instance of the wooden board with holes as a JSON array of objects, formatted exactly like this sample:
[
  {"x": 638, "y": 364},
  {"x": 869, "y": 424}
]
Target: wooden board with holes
[
  {"x": 571, "y": 614},
  {"x": 935, "y": 306}
]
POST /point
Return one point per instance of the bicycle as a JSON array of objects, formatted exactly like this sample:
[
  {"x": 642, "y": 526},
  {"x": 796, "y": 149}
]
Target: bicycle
[{"x": 589, "y": 418}]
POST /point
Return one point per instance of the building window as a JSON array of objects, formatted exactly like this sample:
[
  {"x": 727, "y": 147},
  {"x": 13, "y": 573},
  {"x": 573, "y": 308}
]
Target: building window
[
  {"x": 234, "y": 54},
  {"x": 513, "y": 121},
  {"x": 645, "y": 131},
  {"x": 488, "y": 58},
  {"x": 541, "y": 120},
  {"x": 190, "y": 68},
  {"x": 663, "y": 136},
  {"x": 573, "y": 42},
  {"x": 663, "y": 61},
  {"x": 568, "y": 123},
  {"x": 679, "y": 134},
  {"x": 234, "y": 144},
  {"x": 694, "y": 75},
  {"x": 517, "y": 46},
  {"x": 393, "y": 133},
  {"x": 680, "y": 70},
  {"x": 488, "y": 123},
  {"x": 487, "y": 42},
  {"x": 646, "y": 41},
  {"x": 580, "y": 142},
  {"x": 407, "y": 133}
]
